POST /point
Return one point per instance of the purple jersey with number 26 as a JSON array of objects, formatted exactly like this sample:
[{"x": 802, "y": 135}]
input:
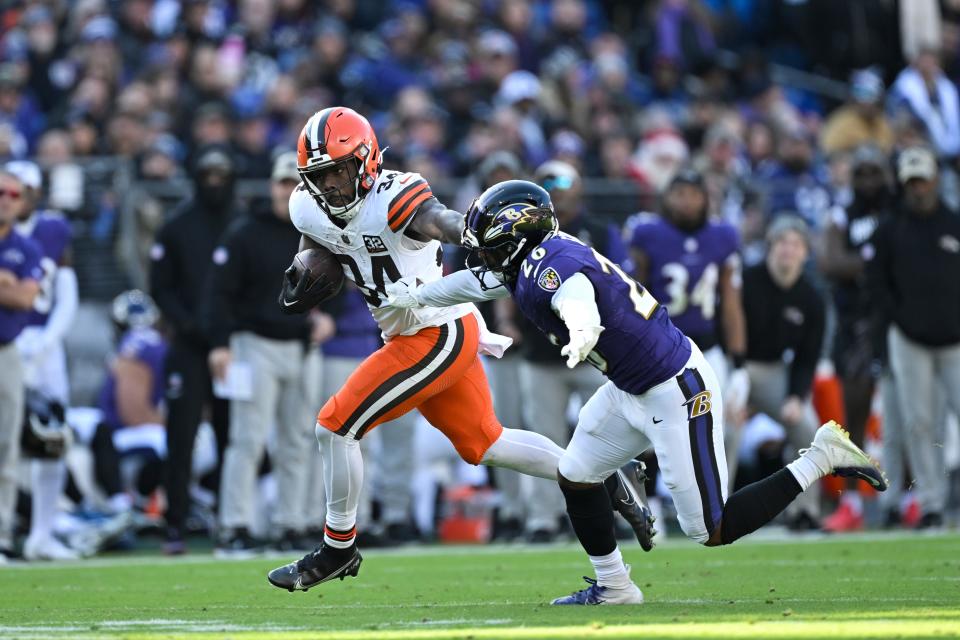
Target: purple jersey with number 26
[{"x": 639, "y": 347}]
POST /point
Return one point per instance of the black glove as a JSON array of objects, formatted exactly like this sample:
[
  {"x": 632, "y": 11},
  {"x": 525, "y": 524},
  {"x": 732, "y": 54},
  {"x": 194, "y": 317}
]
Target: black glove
[{"x": 297, "y": 296}]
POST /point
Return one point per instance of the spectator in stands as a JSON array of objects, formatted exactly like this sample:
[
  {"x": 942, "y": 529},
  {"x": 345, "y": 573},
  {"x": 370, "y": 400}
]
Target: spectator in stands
[
  {"x": 795, "y": 181},
  {"x": 917, "y": 253},
  {"x": 520, "y": 91},
  {"x": 20, "y": 277},
  {"x": 785, "y": 324},
  {"x": 760, "y": 143},
  {"x": 683, "y": 34},
  {"x": 928, "y": 94},
  {"x": 18, "y": 108},
  {"x": 496, "y": 59},
  {"x": 725, "y": 172},
  {"x": 180, "y": 264},
  {"x": 261, "y": 355},
  {"x": 848, "y": 243},
  {"x": 861, "y": 121}
]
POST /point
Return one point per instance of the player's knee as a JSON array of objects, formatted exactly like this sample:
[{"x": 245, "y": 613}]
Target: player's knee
[
  {"x": 572, "y": 470},
  {"x": 715, "y": 539},
  {"x": 475, "y": 449},
  {"x": 695, "y": 530},
  {"x": 324, "y": 435},
  {"x": 471, "y": 453}
]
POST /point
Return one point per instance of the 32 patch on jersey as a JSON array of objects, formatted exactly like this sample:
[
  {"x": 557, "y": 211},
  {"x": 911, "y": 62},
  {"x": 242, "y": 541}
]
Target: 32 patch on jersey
[
  {"x": 374, "y": 244},
  {"x": 549, "y": 279}
]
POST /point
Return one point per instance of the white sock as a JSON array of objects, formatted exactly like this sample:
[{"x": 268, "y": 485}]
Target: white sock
[
  {"x": 524, "y": 451},
  {"x": 46, "y": 484},
  {"x": 806, "y": 470},
  {"x": 343, "y": 479},
  {"x": 610, "y": 570}
]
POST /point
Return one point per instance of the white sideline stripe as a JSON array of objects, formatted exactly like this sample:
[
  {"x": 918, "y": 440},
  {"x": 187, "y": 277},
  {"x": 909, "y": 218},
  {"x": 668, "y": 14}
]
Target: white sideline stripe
[
  {"x": 162, "y": 625},
  {"x": 672, "y": 543}
]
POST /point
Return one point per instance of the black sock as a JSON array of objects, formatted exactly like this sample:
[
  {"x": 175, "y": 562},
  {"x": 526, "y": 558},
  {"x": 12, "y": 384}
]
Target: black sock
[
  {"x": 591, "y": 515},
  {"x": 106, "y": 460},
  {"x": 611, "y": 484},
  {"x": 757, "y": 504}
]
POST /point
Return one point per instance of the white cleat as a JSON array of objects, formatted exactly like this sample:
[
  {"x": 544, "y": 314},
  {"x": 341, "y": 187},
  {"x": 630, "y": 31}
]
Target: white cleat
[
  {"x": 596, "y": 594},
  {"x": 48, "y": 548},
  {"x": 843, "y": 457}
]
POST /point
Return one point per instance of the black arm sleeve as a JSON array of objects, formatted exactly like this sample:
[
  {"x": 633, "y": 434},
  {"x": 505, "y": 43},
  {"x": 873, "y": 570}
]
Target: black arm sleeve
[
  {"x": 224, "y": 285},
  {"x": 808, "y": 351},
  {"x": 165, "y": 283}
]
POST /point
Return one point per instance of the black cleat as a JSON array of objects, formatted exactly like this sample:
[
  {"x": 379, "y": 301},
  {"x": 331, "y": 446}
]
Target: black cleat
[
  {"x": 320, "y": 565},
  {"x": 630, "y": 501}
]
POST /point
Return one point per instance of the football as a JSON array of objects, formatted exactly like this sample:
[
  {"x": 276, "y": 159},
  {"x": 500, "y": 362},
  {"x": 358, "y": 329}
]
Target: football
[{"x": 323, "y": 266}]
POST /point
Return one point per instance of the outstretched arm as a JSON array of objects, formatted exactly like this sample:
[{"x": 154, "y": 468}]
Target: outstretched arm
[
  {"x": 456, "y": 288},
  {"x": 433, "y": 221}
]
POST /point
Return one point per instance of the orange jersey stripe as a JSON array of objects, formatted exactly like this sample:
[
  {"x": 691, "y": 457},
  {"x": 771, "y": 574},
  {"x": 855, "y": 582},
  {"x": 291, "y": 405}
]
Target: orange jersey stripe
[
  {"x": 398, "y": 223},
  {"x": 401, "y": 201}
]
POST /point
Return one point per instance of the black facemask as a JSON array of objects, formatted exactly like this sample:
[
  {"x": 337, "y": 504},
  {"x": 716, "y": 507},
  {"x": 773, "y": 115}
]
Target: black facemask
[{"x": 215, "y": 197}]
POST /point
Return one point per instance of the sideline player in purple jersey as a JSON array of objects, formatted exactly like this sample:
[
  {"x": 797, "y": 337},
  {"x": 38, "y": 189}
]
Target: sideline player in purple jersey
[
  {"x": 41, "y": 347},
  {"x": 660, "y": 390},
  {"x": 691, "y": 265}
]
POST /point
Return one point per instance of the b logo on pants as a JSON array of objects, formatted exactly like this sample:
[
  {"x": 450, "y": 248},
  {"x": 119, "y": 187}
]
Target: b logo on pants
[{"x": 700, "y": 404}]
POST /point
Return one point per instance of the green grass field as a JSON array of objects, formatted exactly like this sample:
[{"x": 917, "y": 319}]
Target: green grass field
[{"x": 867, "y": 587}]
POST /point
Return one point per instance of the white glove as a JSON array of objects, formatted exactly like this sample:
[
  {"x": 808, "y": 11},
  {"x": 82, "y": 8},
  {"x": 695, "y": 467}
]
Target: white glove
[
  {"x": 402, "y": 294},
  {"x": 582, "y": 342},
  {"x": 738, "y": 390}
]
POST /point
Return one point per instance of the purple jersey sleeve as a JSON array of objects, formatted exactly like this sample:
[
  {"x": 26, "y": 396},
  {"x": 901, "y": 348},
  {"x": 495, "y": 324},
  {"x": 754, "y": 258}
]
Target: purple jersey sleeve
[
  {"x": 30, "y": 269},
  {"x": 20, "y": 256},
  {"x": 644, "y": 232},
  {"x": 53, "y": 233}
]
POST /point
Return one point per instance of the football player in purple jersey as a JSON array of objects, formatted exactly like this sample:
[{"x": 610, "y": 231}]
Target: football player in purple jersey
[
  {"x": 42, "y": 348},
  {"x": 20, "y": 276},
  {"x": 661, "y": 392},
  {"x": 691, "y": 265}
]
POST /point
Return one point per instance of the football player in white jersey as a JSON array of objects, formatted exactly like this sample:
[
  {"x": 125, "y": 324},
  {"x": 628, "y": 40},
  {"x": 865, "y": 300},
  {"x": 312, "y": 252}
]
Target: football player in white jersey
[{"x": 384, "y": 226}]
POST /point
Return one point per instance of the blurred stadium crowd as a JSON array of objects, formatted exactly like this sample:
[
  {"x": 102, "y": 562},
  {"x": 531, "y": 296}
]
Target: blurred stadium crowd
[{"x": 826, "y": 134}]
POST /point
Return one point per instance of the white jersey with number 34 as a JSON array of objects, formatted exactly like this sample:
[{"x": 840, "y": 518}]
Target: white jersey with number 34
[{"x": 374, "y": 251}]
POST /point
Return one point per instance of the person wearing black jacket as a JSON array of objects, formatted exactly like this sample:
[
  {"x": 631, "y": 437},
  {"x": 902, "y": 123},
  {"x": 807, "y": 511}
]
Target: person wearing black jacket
[
  {"x": 913, "y": 277},
  {"x": 180, "y": 262},
  {"x": 785, "y": 323},
  {"x": 249, "y": 333},
  {"x": 848, "y": 242}
]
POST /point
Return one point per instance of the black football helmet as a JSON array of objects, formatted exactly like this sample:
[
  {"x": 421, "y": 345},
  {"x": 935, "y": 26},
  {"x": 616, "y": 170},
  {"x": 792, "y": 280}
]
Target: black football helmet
[
  {"x": 504, "y": 224},
  {"x": 45, "y": 433}
]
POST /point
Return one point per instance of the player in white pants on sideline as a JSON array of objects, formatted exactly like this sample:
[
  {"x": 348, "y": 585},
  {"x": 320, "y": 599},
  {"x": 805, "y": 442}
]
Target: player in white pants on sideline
[{"x": 42, "y": 350}]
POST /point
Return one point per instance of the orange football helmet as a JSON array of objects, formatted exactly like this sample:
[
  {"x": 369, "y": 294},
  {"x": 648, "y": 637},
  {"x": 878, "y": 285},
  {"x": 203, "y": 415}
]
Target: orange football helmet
[{"x": 340, "y": 142}]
